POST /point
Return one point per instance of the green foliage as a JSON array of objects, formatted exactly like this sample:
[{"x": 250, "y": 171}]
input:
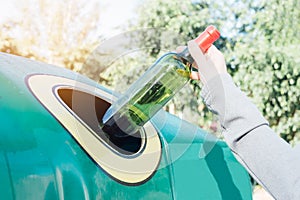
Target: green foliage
[
  {"x": 268, "y": 65},
  {"x": 179, "y": 20}
]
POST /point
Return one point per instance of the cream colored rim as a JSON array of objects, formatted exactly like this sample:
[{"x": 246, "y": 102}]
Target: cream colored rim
[{"x": 126, "y": 169}]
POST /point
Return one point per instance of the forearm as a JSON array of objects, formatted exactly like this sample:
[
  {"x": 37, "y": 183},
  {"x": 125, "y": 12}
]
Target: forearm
[
  {"x": 270, "y": 161},
  {"x": 268, "y": 158}
]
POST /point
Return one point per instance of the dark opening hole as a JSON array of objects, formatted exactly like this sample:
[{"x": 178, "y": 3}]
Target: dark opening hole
[{"x": 90, "y": 109}]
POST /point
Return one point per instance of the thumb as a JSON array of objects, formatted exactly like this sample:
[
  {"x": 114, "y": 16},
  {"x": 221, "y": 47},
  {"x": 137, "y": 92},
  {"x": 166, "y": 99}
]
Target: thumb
[{"x": 180, "y": 49}]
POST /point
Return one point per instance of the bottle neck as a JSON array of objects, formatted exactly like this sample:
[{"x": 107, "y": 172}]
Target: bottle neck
[{"x": 186, "y": 55}]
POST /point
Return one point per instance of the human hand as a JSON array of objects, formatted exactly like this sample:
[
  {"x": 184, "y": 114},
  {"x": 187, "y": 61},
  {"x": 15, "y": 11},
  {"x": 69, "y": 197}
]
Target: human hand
[{"x": 211, "y": 63}]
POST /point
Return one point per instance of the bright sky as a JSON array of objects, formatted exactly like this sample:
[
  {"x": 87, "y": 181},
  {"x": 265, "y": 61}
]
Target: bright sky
[
  {"x": 116, "y": 13},
  {"x": 7, "y": 10},
  {"x": 113, "y": 13}
]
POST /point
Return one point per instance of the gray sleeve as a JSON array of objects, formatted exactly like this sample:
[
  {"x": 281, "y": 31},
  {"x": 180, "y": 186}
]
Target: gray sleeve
[{"x": 269, "y": 159}]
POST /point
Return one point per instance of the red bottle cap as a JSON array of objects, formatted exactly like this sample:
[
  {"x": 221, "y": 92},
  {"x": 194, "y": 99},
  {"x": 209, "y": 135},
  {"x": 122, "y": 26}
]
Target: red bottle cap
[{"x": 207, "y": 38}]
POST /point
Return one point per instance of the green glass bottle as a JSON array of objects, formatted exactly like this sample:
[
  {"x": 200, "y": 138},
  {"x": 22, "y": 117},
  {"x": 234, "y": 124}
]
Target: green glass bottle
[{"x": 153, "y": 90}]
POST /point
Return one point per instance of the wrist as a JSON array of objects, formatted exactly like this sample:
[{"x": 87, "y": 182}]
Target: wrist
[{"x": 213, "y": 91}]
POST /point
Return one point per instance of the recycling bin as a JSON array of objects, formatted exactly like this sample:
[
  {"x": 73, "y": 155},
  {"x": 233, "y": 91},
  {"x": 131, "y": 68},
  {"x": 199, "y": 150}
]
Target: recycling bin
[{"x": 52, "y": 147}]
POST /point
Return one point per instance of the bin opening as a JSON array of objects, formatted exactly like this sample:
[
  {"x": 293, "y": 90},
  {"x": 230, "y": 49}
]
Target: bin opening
[{"x": 90, "y": 110}]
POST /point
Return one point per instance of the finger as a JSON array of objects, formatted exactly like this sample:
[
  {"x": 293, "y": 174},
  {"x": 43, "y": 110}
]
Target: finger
[
  {"x": 195, "y": 76},
  {"x": 212, "y": 50},
  {"x": 180, "y": 49},
  {"x": 194, "y": 65},
  {"x": 196, "y": 52}
]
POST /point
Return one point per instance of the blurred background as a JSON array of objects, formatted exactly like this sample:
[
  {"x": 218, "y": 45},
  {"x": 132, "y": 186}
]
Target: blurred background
[{"x": 259, "y": 38}]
